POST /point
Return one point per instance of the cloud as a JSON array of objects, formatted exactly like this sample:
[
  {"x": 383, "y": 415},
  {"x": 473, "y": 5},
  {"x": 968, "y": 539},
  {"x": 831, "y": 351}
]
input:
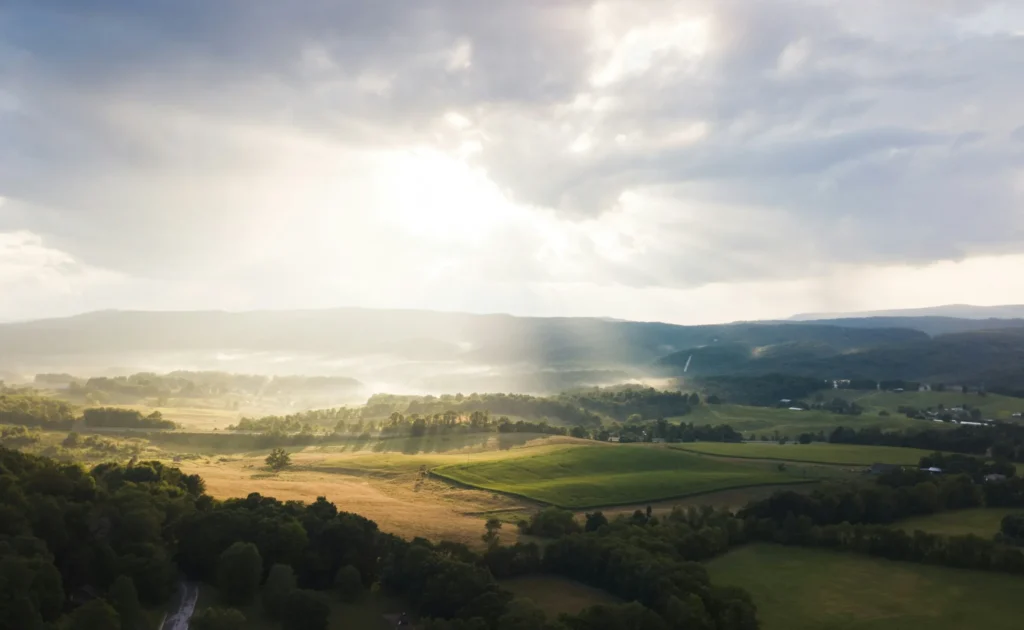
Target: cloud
[{"x": 366, "y": 147}]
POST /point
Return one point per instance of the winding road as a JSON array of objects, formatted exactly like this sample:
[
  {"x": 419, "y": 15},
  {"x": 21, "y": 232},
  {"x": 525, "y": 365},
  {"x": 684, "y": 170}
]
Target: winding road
[{"x": 178, "y": 620}]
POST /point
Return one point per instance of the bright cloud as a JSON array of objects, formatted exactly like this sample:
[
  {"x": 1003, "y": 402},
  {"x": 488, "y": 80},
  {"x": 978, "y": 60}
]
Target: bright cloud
[{"x": 684, "y": 161}]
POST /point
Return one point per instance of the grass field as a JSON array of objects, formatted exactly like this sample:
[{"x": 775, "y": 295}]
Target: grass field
[
  {"x": 809, "y": 589},
  {"x": 555, "y": 595},
  {"x": 765, "y": 420},
  {"x": 817, "y": 452},
  {"x": 991, "y": 405},
  {"x": 593, "y": 476},
  {"x": 983, "y": 522}
]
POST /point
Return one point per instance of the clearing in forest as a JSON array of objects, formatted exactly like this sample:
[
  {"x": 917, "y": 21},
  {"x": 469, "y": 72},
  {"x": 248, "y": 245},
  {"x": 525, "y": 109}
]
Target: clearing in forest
[
  {"x": 984, "y": 522},
  {"x": 594, "y": 476},
  {"x": 808, "y": 589}
]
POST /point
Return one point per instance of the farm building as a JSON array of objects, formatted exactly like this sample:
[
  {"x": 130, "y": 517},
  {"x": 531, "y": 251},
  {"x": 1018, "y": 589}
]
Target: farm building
[
  {"x": 613, "y": 438},
  {"x": 994, "y": 478}
]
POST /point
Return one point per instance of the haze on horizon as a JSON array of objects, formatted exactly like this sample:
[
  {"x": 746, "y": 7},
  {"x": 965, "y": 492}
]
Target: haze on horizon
[{"x": 686, "y": 162}]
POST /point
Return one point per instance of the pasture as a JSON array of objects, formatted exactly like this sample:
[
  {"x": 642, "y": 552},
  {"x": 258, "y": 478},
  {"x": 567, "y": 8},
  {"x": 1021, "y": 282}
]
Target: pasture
[
  {"x": 764, "y": 421},
  {"x": 810, "y": 589},
  {"x": 984, "y": 522},
  {"x": 816, "y": 452},
  {"x": 991, "y": 405},
  {"x": 594, "y": 476},
  {"x": 556, "y": 595}
]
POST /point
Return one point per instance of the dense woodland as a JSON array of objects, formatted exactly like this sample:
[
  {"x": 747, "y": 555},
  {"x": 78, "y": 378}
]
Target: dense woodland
[{"x": 95, "y": 549}]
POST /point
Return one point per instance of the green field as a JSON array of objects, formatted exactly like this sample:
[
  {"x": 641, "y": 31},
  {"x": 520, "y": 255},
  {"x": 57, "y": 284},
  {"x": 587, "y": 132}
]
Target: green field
[
  {"x": 991, "y": 405},
  {"x": 817, "y": 452},
  {"x": 766, "y": 420},
  {"x": 592, "y": 476},
  {"x": 983, "y": 522},
  {"x": 809, "y": 589},
  {"x": 556, "y": 595}
]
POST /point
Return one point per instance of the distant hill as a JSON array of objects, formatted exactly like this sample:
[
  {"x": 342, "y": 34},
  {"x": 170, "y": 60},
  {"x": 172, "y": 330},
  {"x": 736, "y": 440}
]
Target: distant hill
[
  {"x": 931, "y": 325},
  {"x": 994, "y": 358},
  {"x": 416, "y": 335},
  {"x": 959, "y": 311}
]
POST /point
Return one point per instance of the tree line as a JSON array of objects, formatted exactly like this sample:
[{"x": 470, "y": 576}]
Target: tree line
[{"x": 999, "y": 441}]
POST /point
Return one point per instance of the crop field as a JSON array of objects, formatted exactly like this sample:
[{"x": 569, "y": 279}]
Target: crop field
[
  {"x": 594, "y": 476},
  {"x": 810, "y": 589},
  {"x": 816, "y": 452},
  {"x": 765, "y": 420},
  {"x": 556, "y": 595},
  {"x": 991, "y": 405},
  {"x": 984, "y": 522}
]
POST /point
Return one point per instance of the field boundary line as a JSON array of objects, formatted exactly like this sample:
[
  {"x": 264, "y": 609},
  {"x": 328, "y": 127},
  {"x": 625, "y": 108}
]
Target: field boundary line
[
  {"x": 774, "y": 459},
  {"x": 685, "y": 495}
]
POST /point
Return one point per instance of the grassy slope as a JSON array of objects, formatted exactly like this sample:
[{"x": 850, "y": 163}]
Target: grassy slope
[
  {"x": 764, "y": 420},
  {"x": 848, "y": 454},
  {"x": 555, "y": 595},
  {"x": 805, "y": 589},
  {"x": 591, "y": 476},
  {"x": 983, "y": 522}
]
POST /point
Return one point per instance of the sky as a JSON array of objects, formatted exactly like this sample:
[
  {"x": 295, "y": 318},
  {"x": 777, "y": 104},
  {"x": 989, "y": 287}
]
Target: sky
[{"x": 688, "y": 161}]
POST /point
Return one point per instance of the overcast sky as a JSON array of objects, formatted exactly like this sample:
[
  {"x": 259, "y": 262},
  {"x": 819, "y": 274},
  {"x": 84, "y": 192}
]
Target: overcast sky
[{"x": 684, "y": 161}]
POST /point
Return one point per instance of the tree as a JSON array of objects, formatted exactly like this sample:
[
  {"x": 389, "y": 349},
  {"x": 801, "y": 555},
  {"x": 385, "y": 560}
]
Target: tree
[
  {"x": 278, "y": 459},
  {"x": 239, "y": 570},
  {"x": 348, "y": 583},
  {"x": 595, "y": 521},
  {"x": 280, "y": 583},
  {"x": 305, "y": 610},
  {"x": 217, "y": 619},
  {"x": 491, "y": 535},
  {"x": 95, "y": 615},
  {"x": 125, "y": 599}
]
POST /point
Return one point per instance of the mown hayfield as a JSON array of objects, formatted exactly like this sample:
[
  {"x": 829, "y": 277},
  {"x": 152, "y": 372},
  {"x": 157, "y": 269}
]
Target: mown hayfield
[
  {"x": 816, "y": 452},
  {"x": 556, "y": 595},
  {"x": 764, "y": 421},
  {"x": 984, "y": 522},
  {"x": 811, "y": 589},
  {"x": 593, "y": 476}
]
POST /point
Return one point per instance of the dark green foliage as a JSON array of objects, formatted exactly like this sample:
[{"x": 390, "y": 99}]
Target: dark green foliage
[
  {"x": 124, "y": 419},
  {"x": 280, "y": 583},
  {"x": 239, "y": 570},
  {"x": 33, "y": 410},
  {"x": 633, "y": 616},
  {"x": 766, "y": 390},
  {"x": 519, "y": 559},
  {"x": 125, "y": 599},
  {"x": 278, "y": 459},
  {"x": 552, "y": 522},
  {"x": 94, "y": 615},
  {"x": 595, "y": 521},
  {"x": 348, "y": 583},
  {"x": 1000, "y": 441},
  {"x": 1012, "y": 528},
  {"x": 217, "y": 619},
  {"x": 305, "y": 610}
]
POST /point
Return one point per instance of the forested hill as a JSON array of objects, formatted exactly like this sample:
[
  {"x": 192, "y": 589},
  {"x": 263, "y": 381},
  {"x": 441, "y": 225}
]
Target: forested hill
[
  {"x": 412, "y": 335},
  {"x": 932, "y": 325},
  {"x": 994, "y": 359}
]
